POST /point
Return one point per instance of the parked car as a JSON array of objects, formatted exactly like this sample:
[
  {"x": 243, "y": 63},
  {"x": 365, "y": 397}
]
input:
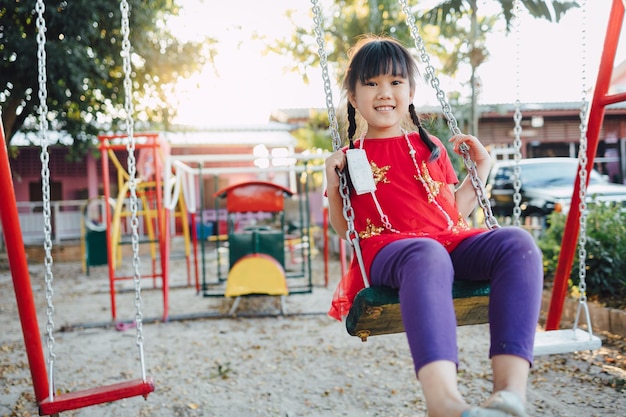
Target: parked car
[{"x": 547, "y": 185}]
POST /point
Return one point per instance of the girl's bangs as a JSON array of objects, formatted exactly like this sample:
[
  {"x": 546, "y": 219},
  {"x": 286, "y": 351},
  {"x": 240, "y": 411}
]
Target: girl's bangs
[{"x": 383, "y": 59}]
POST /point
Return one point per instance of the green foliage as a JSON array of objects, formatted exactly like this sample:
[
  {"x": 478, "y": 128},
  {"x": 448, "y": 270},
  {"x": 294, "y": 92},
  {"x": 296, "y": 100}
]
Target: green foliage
[
  {"x": 366, "y": 16},
  {"x": 606, "y": 250},
  {"x": 315, "y": 135},
  {"x": 84, "y": 65},
  {"x": 444, "y": 30},
  {"x": 447, "y": 12}
]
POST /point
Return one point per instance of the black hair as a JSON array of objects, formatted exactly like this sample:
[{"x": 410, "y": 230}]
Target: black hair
[{"x": 373, "y": 56}]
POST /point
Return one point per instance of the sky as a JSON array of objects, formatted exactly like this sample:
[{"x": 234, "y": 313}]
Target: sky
[{"x": 245, "y": 85}]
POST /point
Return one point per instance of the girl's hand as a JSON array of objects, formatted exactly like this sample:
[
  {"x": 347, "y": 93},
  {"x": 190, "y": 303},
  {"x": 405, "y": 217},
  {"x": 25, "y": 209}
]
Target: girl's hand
[
  {"x": 335, "y": 162},
  {"x": 477, "y": 152}
]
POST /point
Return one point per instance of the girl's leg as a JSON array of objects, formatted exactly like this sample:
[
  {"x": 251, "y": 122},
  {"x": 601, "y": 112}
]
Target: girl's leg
[
  {"x": 422, "y": 271},
  {"x": 510, "y": 259}
]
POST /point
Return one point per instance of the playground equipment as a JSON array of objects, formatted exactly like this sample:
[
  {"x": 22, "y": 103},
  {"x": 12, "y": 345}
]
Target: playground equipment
[
  {"x": 601, "y": 99},
  {"x": 155, "y": 215},
  {"x": 376, "y": 310},
  {"x": 46, "y": 393},
  {"x": 256, "y": 253},
  {"x": 245, "y": 220}
]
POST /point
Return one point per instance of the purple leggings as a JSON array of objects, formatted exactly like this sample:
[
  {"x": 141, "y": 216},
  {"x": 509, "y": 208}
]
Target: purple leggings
[{"x": 423, "y": 271}]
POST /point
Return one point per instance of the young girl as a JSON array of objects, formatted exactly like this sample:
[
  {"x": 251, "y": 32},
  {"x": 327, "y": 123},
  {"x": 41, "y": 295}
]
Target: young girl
[{"x": 414, "y": 237}]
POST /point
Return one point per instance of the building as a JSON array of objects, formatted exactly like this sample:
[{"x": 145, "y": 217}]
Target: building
[{"x": 553, "y": 129}]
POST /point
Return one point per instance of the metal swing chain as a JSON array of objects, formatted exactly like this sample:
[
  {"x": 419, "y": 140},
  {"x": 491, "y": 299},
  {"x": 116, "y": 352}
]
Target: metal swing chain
[
  {"x": 517, "y": 117},
  {"x": 132, "y": 171},
  {"x": 481, "y": 196},
  {"x": 583, "y": 160},
  {"x": 344, "y": 191},
  {"x": 40, "y": 8}
]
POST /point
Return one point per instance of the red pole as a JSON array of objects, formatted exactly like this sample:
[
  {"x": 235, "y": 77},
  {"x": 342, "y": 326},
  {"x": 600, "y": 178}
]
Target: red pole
[
  {"x": 194, "y": 241},
  {"x": 342, "y": 257},
  {"x": 596, "y": 117},
  {"x": 163, "y": 217},
  {"x": 325, "y": 232},
  {"x": 21, "y": 277},
  {"x": 104, "y": 150}
]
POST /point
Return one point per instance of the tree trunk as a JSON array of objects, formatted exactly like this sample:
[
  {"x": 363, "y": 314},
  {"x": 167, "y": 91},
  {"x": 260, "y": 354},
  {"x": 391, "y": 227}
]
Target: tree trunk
[{"x": 474, "y": 97}]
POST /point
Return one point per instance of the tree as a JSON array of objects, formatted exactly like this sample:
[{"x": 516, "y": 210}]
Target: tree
[
  {"x": 84, "y": 65},
  {"x": 447, "y": 14},
  {"x": 452, "y": 43},
  {"x": 366, "y": 16}
]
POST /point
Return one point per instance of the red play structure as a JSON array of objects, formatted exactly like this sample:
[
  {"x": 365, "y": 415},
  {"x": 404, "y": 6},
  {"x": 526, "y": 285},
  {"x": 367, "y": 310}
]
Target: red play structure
[{"x": 154, "y": 214}]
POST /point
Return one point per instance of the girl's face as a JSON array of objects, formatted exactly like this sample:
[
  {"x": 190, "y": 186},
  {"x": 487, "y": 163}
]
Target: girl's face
[{"x": 383, "y": 101}]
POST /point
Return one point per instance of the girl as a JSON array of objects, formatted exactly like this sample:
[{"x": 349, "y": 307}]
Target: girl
[{"x": 414, "y": 237}]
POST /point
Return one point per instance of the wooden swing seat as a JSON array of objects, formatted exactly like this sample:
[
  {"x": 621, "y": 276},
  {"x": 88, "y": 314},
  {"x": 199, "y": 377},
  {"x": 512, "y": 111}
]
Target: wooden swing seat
[
  {"x": 93, "y": 396},
  {"x": 376, "y": 310}
]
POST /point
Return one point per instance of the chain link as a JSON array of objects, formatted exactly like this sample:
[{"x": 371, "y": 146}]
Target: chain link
[
  {"x": 583, "y": 160},
  {"x": 44, "y": 156},
  {"x": 330, "y": 107},
  {"x": 517, "y": 118},
  {"x": 132, "y": 178},
  {"x": 481, "y": 195},
  {"x": 348, "y": 213}
]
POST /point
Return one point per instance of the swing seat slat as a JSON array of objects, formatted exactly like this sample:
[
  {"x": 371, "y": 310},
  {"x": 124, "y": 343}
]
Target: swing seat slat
[
  {"x": 376, "y": 310},
  {"x": 93, "y": 396}
]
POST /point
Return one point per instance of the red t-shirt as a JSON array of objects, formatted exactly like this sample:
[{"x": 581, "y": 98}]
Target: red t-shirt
[{"x": 410, "y": 209}]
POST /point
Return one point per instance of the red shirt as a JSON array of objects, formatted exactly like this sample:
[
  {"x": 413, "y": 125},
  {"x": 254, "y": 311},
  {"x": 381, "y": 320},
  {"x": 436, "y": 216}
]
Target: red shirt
[{"x": 411, "y": 210}]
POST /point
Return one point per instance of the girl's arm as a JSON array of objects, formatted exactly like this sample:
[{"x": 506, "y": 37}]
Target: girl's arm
[
  {"x": 336, "y": 161},
  {"x": 465, "y": 195}
]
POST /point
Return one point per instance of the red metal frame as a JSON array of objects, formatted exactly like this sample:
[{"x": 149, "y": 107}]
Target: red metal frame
[
  {"x": 254, "y": 195},
  {"x": 600, "y": 100},
  {"x": 28, "y": 313},
  {"x": 162, "y": 224},
  {"x": 21, "y": 278}
]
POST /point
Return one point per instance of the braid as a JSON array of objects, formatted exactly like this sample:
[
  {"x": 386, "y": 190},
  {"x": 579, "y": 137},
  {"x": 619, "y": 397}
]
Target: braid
[
  {"x": 351, "y": 123},
  {"x": 434, "y": 149}
]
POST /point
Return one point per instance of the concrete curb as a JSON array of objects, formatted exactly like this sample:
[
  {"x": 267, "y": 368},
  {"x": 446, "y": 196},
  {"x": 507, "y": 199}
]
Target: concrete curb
[{"x": 603, "y": 319}]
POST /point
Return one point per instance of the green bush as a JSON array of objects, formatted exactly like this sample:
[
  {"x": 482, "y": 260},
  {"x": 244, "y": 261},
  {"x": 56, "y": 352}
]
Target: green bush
[{"x": 606, "y": 251}]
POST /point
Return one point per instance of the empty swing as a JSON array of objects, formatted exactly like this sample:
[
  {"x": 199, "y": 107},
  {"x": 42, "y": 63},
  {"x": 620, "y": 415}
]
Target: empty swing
[
  {"x": 43, "y": 380},
  {"x": 573, "y": 339},
  {"x": 376, "y": 310}
]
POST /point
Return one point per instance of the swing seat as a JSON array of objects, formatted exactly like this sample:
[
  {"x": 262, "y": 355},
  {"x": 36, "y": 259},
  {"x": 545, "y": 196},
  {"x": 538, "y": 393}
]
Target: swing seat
[
  {"x": 93, "y": 396},
  {"x": 376, "y": 310},
  {"x": 553, "y": 342}
]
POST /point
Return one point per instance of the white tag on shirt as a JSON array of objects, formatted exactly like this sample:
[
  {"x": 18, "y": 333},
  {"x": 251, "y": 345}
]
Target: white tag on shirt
[{"x": 360, "y": 171}]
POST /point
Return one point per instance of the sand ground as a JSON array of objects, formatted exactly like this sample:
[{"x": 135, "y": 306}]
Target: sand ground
[{"x": 261, "y": 363}]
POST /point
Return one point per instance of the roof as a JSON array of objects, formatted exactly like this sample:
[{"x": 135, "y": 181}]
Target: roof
[
  {"x": 548, "y": 108},
  {"x": 269, "y": 134}
]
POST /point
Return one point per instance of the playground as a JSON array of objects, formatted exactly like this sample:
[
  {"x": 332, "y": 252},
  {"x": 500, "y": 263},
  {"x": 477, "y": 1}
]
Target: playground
[
  {"x": 212, "y": 299},
  {"x": 300, "y": 364}
]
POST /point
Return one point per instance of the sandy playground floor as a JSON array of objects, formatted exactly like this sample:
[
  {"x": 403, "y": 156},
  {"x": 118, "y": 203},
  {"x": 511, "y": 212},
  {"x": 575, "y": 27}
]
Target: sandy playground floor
[{"x": 302, "y": 364}]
